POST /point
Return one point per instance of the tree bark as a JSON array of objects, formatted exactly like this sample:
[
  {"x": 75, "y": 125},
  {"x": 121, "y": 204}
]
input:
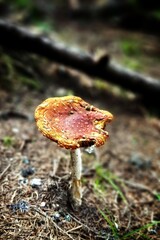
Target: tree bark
[{"x": 20, "y": 39}]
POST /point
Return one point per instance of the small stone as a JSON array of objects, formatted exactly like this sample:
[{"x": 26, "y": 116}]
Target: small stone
[
  {"x": 61, "y": 92},
  {"x": 43, "y": 204},
  {"x": 103, "y": 233},
  {"x": 27, "y": 171},
  {"x": 22, "y": 205},
  {"x": 35, "y": 182},
  {"x": 25, "y": 160},
  {"x": 140, "y": 161},
  {"x": 153, "y": 231},
  {"x": 68, "y": 218},
  {"x": 23, "y": 181},
  {"x": 56, "y": 216},
  {"x": 15, "y": 130}
]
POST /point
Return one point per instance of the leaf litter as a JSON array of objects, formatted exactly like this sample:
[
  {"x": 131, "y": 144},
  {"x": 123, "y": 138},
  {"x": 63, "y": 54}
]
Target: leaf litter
[{"x": 45, "y": 212}]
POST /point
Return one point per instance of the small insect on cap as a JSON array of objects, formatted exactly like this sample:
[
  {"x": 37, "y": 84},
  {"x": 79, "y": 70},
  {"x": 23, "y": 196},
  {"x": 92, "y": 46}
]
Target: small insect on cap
[{"x": 72, "y": 122}]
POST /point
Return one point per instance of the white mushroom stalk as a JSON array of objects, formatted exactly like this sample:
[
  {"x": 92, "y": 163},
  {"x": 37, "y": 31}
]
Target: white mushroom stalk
[{"x": 76, "y": 186}]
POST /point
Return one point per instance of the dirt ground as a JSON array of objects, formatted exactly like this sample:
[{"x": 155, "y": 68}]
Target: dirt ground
[{"x": 121, "y": 190}]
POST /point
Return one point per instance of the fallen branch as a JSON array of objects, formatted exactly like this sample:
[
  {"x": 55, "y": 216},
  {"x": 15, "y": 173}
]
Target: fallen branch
[{"x": 20, "y": 39}]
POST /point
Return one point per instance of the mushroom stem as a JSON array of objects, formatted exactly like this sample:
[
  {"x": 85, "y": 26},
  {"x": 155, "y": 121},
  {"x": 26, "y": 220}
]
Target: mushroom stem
[{"x": 76, "y": 188}]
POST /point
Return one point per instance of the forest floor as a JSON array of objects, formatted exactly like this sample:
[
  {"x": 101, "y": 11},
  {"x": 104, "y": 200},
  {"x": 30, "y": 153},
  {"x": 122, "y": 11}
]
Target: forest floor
[{"x": 121, "y": 189}]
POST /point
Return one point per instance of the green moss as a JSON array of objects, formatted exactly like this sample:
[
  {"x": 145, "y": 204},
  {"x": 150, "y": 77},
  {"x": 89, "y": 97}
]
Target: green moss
[
  {"x": 156, "y": 14},
  {"x": 158, "y": 196},
  {"x": 100, "y": 84},
  {"x": 8, "y": 141},
  {"x": 30, "y": 83},
  {"x": 133, "y": 64},
  {"x": 22, "y": 4},
  {"x": 43, "y": 26},
  {"x": 6, "y": 72},
  {"x": 99, "y": 186},
  {"x": 130, "y": 47},
  {"x": 11, "y": 78}
]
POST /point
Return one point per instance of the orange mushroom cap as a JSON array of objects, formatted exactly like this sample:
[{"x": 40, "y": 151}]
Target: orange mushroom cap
[{"x": 72, "y": 122}]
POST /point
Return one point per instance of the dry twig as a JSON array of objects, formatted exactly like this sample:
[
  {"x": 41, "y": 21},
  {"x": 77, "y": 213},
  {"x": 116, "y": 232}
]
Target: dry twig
[
  {"x": 2, "y": 175},
  {"x": 42, "y": 213},
  {"x": 21, "y": 40},
  {"x": 139, "y": 186}
]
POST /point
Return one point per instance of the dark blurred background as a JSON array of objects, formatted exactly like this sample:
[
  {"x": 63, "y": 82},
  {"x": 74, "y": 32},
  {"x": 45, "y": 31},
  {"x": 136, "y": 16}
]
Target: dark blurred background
[{"x": 127, "y": 30}]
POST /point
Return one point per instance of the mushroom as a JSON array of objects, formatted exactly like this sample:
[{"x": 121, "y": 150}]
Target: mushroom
[{"x": 73, "y": 123}]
